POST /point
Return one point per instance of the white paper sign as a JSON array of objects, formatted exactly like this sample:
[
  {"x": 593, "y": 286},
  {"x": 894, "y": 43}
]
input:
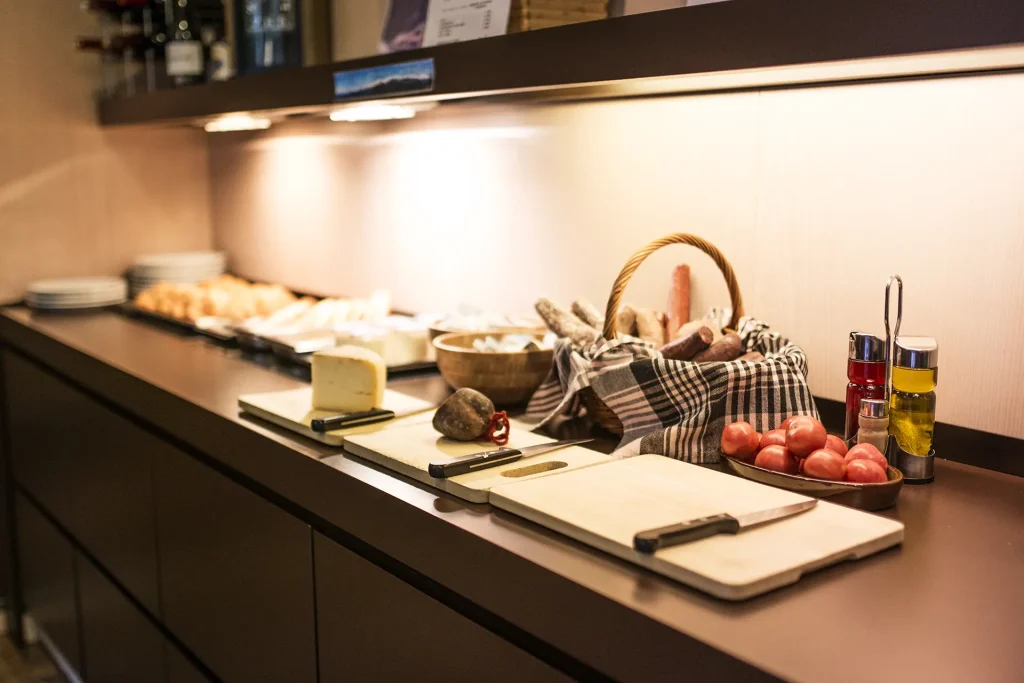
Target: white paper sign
[{"x": 452, "y": 21}]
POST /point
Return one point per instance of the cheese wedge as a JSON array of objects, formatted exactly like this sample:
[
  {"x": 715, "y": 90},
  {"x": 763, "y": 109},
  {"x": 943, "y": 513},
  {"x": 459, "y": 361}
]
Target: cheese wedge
[{"x": 348, "y": 379}]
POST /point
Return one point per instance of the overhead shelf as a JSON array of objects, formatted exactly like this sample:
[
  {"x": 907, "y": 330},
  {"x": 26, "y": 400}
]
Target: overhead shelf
[{"x": 721, "y": 46}]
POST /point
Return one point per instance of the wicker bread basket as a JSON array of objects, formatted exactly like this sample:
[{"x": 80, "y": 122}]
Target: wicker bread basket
[{"x": 595, "y": 406}]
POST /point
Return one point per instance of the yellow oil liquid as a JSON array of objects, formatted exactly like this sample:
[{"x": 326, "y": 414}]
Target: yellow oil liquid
[
  {"x": 914, "y": 381},
  {"x": 912, "y": 419}
]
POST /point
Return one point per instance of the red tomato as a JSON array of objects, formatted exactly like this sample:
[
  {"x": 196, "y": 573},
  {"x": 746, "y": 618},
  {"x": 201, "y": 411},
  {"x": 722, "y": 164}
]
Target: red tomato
[
  {"x": 805, "y": 436},
  {"x": 863, "y": 471},
  {"x": 776, "y": 437},
  {"x": 824, "y": 464},
  {"x": 865, "y": 451},
  {"x": 789, "y": 420},
  {"x": 835, "y": 444},
  {"x": 777, "y": 459},
  {"x": 740, "y": 441}
]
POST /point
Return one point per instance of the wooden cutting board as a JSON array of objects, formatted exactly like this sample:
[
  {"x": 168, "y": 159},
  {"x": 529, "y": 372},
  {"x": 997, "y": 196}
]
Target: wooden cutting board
[
  {"x": 410, "y": 449},
  {"x": 605, "y": 506},
  {"x": 293, "y": 410}
]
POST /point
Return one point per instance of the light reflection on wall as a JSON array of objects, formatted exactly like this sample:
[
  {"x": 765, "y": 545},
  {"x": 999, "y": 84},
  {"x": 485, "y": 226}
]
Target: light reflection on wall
[{"x": 815, "y": 195}]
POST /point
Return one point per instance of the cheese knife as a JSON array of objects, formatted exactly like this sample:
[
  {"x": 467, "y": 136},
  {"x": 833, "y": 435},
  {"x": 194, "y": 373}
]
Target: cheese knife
[
  {"x": 653, "y": 540},
  {"x": 487, "y": 459}
]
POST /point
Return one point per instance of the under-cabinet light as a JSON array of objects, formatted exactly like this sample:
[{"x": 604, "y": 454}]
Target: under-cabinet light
[
  {"x": 233, "y": 122},
  {"x": 374, "y": 112}
]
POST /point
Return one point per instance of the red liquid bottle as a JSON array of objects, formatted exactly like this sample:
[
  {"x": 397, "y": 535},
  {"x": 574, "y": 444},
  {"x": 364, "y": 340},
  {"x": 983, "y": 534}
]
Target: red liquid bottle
[{"x": 866, "y": 372}]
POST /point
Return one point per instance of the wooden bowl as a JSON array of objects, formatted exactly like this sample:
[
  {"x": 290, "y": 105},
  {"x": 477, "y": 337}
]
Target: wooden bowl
[
  {"x": 860, "y": 496},
  {"x": 507, "y": 378},
  {"x": 440, "y": 328}
]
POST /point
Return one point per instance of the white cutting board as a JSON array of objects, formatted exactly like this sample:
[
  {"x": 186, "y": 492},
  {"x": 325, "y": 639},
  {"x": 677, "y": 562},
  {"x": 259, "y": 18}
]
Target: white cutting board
[
  {"x": 293, "y": 410},
  {"x": 606, "y": 506},
  {"x": 410, "y": 449}
]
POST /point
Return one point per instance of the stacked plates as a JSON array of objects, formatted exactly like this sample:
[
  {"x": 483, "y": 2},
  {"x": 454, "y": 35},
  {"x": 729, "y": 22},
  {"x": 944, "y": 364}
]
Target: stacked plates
[
  {"x": 73, "y": 293},
  {"x": 179, "y": 269}
]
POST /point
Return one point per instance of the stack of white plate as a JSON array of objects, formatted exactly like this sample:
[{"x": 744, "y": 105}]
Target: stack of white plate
[
  {"x": 179, "y": 269},
  {"x": 81, "y": 292}
]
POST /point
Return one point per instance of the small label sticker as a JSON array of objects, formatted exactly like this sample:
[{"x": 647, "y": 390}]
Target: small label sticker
[
  {"x": 184, "y": 58},
  {"x": 389, "y": 80}
]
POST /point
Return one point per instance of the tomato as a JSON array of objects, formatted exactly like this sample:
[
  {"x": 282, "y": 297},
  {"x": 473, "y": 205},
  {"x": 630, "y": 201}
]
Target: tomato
[
  {"x": 825, "y": 464},
  {"x": 805, "y": 436},
  {"x": 777, "y": 459},
  {"x": 776, "y": 437},
  {"x": 862, "y": 471},
  {"x": 865, "y": 451},
  {"x": 835, "y": 444},
  {"x": 740, "y": 441},
  {"x": 789, "y": 420}
]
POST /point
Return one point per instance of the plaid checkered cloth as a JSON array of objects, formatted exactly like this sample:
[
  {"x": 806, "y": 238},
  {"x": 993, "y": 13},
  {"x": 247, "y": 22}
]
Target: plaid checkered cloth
[{"x": 678, "y": 408}]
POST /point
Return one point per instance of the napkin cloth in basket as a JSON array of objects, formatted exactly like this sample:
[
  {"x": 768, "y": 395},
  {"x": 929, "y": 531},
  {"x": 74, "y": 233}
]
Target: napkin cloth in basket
[{"x": 679, "y": 408}]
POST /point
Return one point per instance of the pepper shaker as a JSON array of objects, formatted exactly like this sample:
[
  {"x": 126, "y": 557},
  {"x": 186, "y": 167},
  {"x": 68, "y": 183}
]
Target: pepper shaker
[{"x": 873, "y": 421}]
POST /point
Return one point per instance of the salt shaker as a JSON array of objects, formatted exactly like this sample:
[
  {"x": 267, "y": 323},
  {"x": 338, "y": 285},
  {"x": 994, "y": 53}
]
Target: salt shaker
[{"x": 873, "y": 421}]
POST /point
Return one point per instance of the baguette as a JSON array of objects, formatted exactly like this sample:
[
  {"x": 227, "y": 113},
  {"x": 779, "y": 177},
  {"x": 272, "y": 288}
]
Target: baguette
[
  {"x": 649, "y": 328},
  {"x": 694, "y": 325},
  {"x": 565, "y": 324},
  {"x": 626, "y": 319},
  {"x": 679, "y": 300},
  {"x": 588, "y": 313},
  {"x": 727, "y": 348},
  {"x": 753, "y": 357},
  {"x": 663, "y": 321},
  {"x": 687, "y": 347}
]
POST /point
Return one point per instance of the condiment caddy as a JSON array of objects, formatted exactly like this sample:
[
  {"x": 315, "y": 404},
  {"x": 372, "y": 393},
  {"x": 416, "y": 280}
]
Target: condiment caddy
[{"x": 905, "y": 417}]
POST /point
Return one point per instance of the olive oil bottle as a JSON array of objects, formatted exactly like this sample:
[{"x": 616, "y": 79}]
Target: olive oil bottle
[{"x": 915, "y": 374}]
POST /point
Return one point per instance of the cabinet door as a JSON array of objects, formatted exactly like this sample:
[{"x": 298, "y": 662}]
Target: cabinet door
[
  {"x": 120, "y": 644},
  {"x": 6, "y": 546},
  {"x": 93, "y": 473},
  {"x": 48, "y": 580},
  {"x": 375, "y": 627},
  {"x": 236, "y": 575},
  {"x": 179, "y": 668}
]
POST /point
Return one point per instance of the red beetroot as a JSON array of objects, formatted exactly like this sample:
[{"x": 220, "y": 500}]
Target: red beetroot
[
  {"x": 865, "y": 472},
  {"x": 805, "y": 436},
  {"x": 777, "y": 459},
  {"x": 824, "y": 464}
]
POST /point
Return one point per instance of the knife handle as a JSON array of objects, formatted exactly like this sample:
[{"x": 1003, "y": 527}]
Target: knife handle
[
  {"x": 676, "y": 534},
  {"x": 475, "y": 461},
  {"x": 326, "y": 424}
]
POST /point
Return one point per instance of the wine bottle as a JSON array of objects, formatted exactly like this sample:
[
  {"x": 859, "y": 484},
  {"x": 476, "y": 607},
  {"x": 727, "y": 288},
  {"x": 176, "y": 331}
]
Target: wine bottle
[
  {"x": 130, "y": 46},
  {"x": 185, "y": 55},
  {"x": 116, "y": 7},
  {"x": 268, "y": 34}
]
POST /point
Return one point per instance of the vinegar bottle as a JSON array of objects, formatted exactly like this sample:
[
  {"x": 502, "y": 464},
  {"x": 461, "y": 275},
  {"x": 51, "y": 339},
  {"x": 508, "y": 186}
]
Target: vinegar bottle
[{"x": 865, "y": 369}]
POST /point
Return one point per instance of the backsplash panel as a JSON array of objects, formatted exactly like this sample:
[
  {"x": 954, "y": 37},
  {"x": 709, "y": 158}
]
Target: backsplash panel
[{"x": 816, "y": 195}]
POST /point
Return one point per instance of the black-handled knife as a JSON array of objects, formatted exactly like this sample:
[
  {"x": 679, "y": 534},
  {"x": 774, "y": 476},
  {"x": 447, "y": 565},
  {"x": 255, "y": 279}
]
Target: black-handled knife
[
  {"x": 502, "y": 456},
  {"x": 367, "y": 417},
  {"x": 653, "y": 540}
]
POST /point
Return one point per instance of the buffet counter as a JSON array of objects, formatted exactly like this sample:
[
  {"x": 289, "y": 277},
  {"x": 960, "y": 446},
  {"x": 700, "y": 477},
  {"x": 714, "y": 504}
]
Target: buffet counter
[{"x": 231, "y": 550}]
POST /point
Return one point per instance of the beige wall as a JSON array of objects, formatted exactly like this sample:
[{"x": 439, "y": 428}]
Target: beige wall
[
  {"x": 357, "y": 26},
  {"x": 74, "y": 198},
  {"x": 816, "y": 195}
]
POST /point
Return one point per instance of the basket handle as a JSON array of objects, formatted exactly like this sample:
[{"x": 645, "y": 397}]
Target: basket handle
[{"x": 611, "y": 325}]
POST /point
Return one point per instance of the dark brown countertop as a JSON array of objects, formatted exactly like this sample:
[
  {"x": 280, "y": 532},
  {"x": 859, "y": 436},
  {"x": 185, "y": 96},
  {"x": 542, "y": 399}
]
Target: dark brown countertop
[{"x": 947, "y": 606}]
